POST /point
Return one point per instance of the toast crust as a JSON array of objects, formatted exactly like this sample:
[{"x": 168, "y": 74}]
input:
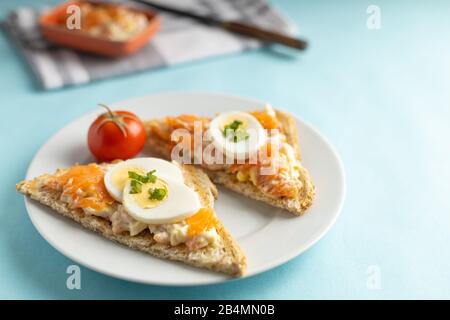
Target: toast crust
[
  {"x": 296, "y": 206},
  {"x": 225, "y": 257}
]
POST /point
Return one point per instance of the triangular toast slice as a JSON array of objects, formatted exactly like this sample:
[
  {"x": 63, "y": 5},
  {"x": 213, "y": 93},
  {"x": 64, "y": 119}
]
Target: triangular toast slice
[
  {"x": 159, "y": 142},
  {"x": 223, "y": 256}
]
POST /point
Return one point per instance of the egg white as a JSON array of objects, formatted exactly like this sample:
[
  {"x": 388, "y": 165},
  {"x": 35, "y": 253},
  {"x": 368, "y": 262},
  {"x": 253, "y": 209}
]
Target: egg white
[
  {"x": 242, "y": 149},
  {"x": 164, "y": 169},
  {"x": 181, "y": 202}
]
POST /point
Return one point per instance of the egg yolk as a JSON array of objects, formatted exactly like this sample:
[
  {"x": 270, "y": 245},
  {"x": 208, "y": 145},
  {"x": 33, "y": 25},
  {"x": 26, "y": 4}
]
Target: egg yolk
[
  {"x": 203, "y": 220},
  {"x": 85, "y": 186},
  {"x": 243, "y": 124},
  {"x": 120, "y": 177},
  {"x": 143, "y": 199}
]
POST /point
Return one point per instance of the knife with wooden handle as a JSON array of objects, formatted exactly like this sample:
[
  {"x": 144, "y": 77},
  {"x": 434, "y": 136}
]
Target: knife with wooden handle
[{"x": 252, "y": 31}]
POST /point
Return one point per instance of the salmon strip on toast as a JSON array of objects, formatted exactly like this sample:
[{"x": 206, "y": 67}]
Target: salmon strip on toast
[
  {"x": 289, "y": 188},
  {"x": 95, "y": 210}
]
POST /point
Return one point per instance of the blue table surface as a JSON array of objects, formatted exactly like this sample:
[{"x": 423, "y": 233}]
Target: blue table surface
[{"x": 380, "y": 96}]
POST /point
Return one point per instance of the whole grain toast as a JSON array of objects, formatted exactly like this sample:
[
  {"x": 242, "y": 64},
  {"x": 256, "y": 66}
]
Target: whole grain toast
[
  {"x": 225, "y": 256},
  {"x": 288, "y": 127}
]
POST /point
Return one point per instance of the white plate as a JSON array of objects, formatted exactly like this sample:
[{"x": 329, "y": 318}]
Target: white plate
[{"x": 268, "y": 236}]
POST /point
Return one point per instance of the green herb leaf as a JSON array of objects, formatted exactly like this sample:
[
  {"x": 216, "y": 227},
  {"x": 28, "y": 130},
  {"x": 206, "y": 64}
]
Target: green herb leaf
[
  {"x": 233, "y": 126},
  {"x": 235, "y": 133},
  {"x": 136, "y": 176},
  {"x": 136, "y": 187},
  {"x": 151, "y": 177},
  {"x": 240, "y": 135},
  {"x": 157, "y": 193}
]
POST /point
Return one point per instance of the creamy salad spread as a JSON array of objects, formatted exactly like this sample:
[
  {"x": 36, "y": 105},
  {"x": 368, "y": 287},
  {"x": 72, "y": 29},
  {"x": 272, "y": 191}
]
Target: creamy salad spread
[
  {"x": 262, "y": 129},
  {"x": 110, "y": 21},
  {"x": 174, "y": 217}
]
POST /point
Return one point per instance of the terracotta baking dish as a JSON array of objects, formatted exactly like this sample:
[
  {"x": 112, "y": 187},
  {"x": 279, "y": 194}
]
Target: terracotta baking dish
[{"x": 76, "y": 39}]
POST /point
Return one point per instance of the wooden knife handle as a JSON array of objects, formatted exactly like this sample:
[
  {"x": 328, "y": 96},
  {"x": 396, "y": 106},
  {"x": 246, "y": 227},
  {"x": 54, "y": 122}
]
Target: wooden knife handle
[{"x": 264, "y": 35}]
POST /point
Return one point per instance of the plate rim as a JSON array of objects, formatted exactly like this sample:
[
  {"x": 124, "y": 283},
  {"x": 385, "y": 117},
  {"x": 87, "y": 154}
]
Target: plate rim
[{"x": 259, "y": 270}]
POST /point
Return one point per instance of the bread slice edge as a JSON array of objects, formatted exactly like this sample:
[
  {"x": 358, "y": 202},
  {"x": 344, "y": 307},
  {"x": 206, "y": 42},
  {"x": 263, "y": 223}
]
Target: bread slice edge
[
  {"x": 296, "y": 206},
  {"x": 226, "y": 257}
]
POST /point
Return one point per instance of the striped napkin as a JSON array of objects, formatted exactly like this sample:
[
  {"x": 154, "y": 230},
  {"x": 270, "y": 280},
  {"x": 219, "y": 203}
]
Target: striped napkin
[{"x": 179, "y": 40}]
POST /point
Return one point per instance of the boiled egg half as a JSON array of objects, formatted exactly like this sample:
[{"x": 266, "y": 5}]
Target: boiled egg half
[
  {"x": 155, "y": 192},
  {"x": 237, "y": 134},
  {"x": 117, "y": 176}
]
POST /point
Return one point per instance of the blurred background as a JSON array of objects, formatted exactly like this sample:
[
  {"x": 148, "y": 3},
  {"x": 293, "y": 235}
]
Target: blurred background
[{"x": 374, "y": 79}]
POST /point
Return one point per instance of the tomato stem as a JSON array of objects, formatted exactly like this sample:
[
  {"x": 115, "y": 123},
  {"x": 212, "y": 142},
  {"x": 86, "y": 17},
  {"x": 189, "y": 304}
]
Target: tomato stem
[
  {"x": 118, "y": 120},
  {"x": 108, "y": 109}
]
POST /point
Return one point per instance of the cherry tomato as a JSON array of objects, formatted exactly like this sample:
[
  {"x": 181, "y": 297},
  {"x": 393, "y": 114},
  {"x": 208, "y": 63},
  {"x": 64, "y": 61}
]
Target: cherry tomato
[{"x": 116, "y": 135}]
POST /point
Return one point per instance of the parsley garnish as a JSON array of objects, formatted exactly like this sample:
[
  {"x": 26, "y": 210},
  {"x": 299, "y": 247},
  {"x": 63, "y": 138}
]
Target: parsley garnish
[
  {"x": 151, "y": 177},
  {"x": 137, "y": 180},
  {"x": 240, "y": 135},
  {"x": 232, "y": 130},
  {"x": 136, "y": 187},
  {"x": 136, "y": 176},
  {"x": 157, "y": 193},
  {"x": 232, "y": 126}
]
